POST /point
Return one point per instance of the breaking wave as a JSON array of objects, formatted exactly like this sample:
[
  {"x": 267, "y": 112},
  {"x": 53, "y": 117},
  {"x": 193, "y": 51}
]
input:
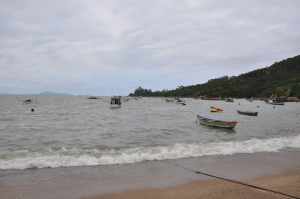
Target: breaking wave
[{"x": 77, "y": 157}]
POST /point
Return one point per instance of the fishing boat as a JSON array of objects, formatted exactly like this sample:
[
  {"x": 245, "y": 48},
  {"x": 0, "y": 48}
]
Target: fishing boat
[
  {"x": 229, "y": 100},
  {"x": 27, "y": 101},
  {"x": 180, "y": 101},
  {"x": 274, "y": 102},
  {"x": 277, "y": 103},
  {"x": 93, "y": 97},
  {"x": 169, "y": 100},
  {"x": 214, "y": 109},
  {"x": 115, "y": 102},
  {"x": 216, "y": 123},
  {"x": 249, "y": 113}
]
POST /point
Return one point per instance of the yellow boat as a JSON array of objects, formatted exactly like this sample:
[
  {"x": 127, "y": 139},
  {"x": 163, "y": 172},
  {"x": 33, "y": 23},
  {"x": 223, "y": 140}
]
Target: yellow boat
[{"x": 214, "y": 109}]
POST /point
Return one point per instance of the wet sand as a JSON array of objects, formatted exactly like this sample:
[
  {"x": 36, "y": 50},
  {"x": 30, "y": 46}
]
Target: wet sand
[
  {"x": 160, "y": 179},
  {"x": 214, "y": 189}
]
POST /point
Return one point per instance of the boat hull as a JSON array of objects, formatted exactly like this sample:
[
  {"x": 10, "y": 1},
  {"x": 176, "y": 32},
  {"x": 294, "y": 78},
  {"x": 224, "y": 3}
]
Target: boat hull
[
  {"x": 181, "y": 103},
  {"x": 274, "y": 102},
  {"x": 248, "y": 113},
  {"x": 277, "y": 103},
  {"x": 216, "y": 123},
  {"x": 214, "y": 109}
]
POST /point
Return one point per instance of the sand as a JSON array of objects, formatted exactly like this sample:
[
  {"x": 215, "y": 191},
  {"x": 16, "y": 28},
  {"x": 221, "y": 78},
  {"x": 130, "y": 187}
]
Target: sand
[
  {"x": 159, "y": 179},
  {"x": 215, "y": 189}
]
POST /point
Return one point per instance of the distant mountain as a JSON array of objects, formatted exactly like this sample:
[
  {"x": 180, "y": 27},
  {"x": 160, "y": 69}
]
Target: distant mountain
[
  {"x": 49, "y": 93},
  {"x": 280, "y": 79}
]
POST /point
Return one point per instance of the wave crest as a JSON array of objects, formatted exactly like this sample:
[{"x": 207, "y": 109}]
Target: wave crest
[{"x": 139, "y": 154}]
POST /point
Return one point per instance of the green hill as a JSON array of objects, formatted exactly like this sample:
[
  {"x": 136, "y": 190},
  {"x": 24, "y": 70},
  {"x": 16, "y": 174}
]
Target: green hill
[{"x": 280, "y": 79}]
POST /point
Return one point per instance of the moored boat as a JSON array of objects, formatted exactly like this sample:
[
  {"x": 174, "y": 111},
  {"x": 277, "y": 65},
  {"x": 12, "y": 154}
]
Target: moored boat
[
  {"x": 214, "y": 109},
  {"x": 273, "y": 102},
  {"x": 93, "y": 97},
  {"x": 115, "y": 102},
  {"x": 27, "y": 101},
  {"x": 216, "y": 123},
  {"x": 249, "y": 113},
  {"x": 180, "y": 101},
  {"x": 229, "y": 100},
  {"x": 169, "y": 100},
  {"x": 277, "y": 103}
]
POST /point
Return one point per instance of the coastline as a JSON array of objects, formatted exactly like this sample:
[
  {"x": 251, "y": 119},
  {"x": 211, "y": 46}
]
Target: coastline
[{"x": 153, "y": 177}]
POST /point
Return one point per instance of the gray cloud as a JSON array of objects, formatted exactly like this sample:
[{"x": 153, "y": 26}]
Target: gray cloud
[{"x": 109, "y": 46}]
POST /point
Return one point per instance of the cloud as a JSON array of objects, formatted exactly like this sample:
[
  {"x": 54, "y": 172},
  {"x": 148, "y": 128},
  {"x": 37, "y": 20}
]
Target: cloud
[{"x": 112, "y": 46}]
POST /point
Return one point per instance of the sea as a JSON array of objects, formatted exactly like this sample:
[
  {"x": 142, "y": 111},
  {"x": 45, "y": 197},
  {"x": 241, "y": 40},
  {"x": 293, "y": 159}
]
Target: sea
[{"x": 69, "y": 131}]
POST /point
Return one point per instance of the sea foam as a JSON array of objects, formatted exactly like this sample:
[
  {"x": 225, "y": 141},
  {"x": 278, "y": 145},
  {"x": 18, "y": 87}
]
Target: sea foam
[{"x": 139, "y": 154}]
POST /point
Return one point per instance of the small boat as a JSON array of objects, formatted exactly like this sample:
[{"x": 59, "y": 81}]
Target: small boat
[
  {"x": 93, "y": 97},
  {"x": 249, "y": 113},
  {"x": 273, "y": 102},
  {"x": 169, "y": 100},
  {"x": 229, "y": 100},
  {"x": 216, "y": 123},
  {"x": 277, "y": 103},
  {"x": 214, "y": 109},
  {"x": 115, "y": 102},
  {"x": 180, "y": 101},
  {"x": 27, "y": 101}
]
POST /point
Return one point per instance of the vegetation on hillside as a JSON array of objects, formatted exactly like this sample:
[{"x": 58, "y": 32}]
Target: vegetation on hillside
[{"x": 280, "y": 79}]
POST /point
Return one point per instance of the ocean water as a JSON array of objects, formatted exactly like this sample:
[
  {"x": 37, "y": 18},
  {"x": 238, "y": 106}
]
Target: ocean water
[{"x": 75, "y": 131}]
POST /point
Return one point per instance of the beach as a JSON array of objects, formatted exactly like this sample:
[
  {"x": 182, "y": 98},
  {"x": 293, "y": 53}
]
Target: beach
[
  {"x": 160, "y": 179},
  {"x": 288, "y": 182},
  {"x": 149, "y": 99}
]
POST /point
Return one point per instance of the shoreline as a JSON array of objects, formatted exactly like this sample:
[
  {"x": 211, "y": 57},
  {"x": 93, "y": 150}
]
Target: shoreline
[{"x": 109, "y": 181}]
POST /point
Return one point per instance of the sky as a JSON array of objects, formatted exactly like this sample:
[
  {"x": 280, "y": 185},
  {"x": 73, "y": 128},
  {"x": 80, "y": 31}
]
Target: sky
[{"x": 110, "y": 47}]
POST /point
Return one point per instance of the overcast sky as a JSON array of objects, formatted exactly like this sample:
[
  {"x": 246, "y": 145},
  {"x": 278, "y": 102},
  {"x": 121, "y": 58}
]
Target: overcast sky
[{"x": 111, "y": 47}]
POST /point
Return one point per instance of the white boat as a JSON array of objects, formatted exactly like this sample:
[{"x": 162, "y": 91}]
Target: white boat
[
  {"x": 169, "y": 100},
  {"x": 115, "y": 102},
  {"x": 274, "y": 102},
  {"x": 180, "y": 101},
  {"x": 216, "y": 123}
]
